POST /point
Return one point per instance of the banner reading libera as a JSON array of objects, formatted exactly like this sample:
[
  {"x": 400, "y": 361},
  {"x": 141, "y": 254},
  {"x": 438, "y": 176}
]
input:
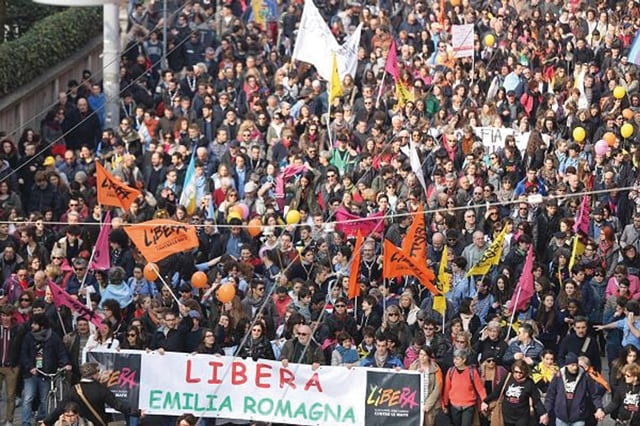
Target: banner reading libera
[
  {"x": 159, "y": 238},
  {"x": 112, "y": 192}
]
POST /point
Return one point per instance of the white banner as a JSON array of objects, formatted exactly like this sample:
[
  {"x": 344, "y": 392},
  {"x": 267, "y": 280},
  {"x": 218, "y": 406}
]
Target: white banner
[
  {"x": 462, "y": 40},
  {"x": 316, "y": 44},
  {"x": 493, "y": 137},
  {"x": 234, "y": 388}
]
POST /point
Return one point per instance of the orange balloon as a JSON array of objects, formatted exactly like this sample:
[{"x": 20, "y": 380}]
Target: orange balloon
[
  {"x": 627, "y": 113},
  {"x": 254, "y": 228},
  {"x": 609, "y": 138},
  {"x": 226, "y": 293},
  {"x": 199, "y": 279},
  {"x": 150, "y": 271}
]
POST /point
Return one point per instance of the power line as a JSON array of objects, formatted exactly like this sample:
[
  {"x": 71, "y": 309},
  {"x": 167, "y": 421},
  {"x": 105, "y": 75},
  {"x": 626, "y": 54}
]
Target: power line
[{"x": 530, "y": 200}]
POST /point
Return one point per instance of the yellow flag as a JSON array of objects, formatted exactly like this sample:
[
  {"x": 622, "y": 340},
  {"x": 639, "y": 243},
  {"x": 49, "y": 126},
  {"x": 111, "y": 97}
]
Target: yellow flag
[
  {"x": 402, "y": 94},
  {"x": 490, "y": 257},
  {"x": 576, "y": 251},
  {"x": 335, "y": 88},
  {"x": 258, "y": 17},
  {"x": 444, "y": 284}
]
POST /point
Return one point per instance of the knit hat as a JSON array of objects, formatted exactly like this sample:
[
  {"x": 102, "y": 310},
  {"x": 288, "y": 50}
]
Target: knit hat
[{"x": 571, "y": 358}]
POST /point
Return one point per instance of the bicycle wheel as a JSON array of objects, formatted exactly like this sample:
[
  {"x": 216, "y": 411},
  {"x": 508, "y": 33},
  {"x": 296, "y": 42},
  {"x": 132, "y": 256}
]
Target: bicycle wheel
[{"x": 52, "y": 403}]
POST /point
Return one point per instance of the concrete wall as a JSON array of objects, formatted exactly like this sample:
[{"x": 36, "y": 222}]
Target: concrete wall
[{"x": 27, "y": 106}]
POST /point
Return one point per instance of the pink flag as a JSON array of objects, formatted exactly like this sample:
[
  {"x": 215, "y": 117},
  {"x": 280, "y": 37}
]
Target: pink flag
[
  {"x": 62, "y": 298},
  {"x": 101, "y": 254},
  {"x": 282, "y": 179},
  {"x": 524, "y": 290},
  {"x": 350, "y": 223},
  {"x": 582, "y": 218},
  {"x": 391, "y": 65}
]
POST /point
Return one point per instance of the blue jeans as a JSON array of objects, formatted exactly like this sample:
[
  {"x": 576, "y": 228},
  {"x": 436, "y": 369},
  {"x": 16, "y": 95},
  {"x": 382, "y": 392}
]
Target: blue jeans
[
  {"x": 561, "y": 423},
  {"x": 34, "y": 387}
]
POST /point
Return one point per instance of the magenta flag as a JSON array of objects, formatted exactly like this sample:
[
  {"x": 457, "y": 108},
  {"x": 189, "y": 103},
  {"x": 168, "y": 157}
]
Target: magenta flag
[
  {"x": 391, "y": 65},
  {"x": 524, "y": 290},
  {"x": 101, "y": 251},
  {"x": 582, "y": 218},
  {"x": 281, "y": 181},
  {"x": 62, "y": 298},
  {"x": 350, "y": 223}
]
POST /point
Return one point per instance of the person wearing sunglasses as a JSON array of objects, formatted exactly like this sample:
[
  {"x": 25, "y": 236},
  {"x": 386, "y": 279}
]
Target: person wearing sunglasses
[
  {"x": 520, "y": 397},
  {"x": 302, "y": 349},
  {"x": 626, "y": 397}
]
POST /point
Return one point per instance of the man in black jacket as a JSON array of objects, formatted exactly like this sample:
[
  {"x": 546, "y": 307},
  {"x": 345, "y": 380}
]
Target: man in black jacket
[
  {"x": 92, "y": 398},
  {"x": 172, "y": 336},
  {"x": 11, "y": 337},
  {"x": 42, "y": 352}
]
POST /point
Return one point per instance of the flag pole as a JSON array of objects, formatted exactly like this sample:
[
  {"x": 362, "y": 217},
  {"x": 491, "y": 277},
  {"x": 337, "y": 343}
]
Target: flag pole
[
  {"x": 355, "y": 309},
  {"x": 513, "y": 314},
  {"x": 329, "y": 117},
  {"x": 157, "y": 271},
  {"x": 444, "y": 314},
  {"x": 384, "y": 74}
]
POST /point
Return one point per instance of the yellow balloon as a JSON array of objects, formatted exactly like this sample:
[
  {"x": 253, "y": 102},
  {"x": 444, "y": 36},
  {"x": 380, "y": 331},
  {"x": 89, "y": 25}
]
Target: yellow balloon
[
  {"x": 619, "y": 92},
  {"x": 626, "y": 130},
  {"x": 489, "y": 40},
  {"x": 233, "y": 215},
  {"x": 293, "y": 217},
  {"x": 579, "y": 134}
]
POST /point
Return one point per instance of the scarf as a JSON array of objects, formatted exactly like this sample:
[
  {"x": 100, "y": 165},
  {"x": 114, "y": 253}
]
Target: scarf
[
  {"x": 349, "y": 356},
  {"x": 41, "y": 335}
]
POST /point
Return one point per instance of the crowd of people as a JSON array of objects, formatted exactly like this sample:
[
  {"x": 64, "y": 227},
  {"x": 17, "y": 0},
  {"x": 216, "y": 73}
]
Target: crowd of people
[{"x": 263, "y": 140}]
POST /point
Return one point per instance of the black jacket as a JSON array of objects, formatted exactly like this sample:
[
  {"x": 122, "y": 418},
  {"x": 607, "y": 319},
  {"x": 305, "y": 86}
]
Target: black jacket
[
  {"x": 625, "y": 403},
  {"x": 98, "y": 395},
  {"x": 515, "y": 402},
  {"x": 175, "y": 340},
  {"x": 16, "y": 337},
  {"x": 54, "y": 355}
]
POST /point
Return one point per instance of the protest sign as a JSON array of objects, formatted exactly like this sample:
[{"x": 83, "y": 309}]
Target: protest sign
[
  {"x": 493, "y": 137},
  {"x": 235, "y": 388},
  {"x": 120, "y": 372},
  {"x": 462, "y": 40}
]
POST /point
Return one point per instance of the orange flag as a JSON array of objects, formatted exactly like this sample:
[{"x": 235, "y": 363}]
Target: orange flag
[
  {"x": 415, "y": 242},
  {"x": 396, "y": 263},
  {"x": 354, "y": 287},
  {"x": 159, "y": 238},
  {"x": 112, "y": 192}
]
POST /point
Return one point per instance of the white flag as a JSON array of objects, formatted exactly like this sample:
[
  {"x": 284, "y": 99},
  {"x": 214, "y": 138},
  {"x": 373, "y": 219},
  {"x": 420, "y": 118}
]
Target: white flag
[
  {"x": 347, "y": 54},
  {"x": 411, "y": 151},
  {"x": 316, "y": 44}
]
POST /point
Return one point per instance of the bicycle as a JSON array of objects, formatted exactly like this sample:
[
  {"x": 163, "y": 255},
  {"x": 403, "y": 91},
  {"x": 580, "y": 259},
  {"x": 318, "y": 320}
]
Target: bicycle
[{"x": 57, "y": 382}]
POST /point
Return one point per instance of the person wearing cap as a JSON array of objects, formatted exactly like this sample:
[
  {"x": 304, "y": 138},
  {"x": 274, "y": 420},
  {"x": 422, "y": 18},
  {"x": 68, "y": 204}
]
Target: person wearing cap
[{"x": 570, "y": 394}]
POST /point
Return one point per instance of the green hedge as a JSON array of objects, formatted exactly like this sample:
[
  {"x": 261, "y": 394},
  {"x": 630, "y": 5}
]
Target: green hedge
[
  {"x": 23, "y": 14},
  {"x": 49, "y": 42}
]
